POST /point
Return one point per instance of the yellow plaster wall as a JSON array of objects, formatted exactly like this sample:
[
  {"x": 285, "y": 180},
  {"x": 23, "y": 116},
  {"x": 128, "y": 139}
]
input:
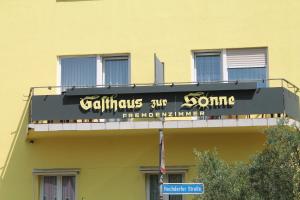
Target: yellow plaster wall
[
  {"x": 33, "y": 33},
  {"x": 111, "y": 162}
]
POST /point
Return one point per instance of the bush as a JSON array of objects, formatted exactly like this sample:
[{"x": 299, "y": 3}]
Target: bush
[{"x": 273, "y": 173}]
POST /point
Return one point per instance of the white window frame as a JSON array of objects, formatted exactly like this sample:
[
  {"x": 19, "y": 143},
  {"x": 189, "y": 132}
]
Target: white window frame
[
  {"x": 99, "y": 68},
  {"x": 165, "y": 197},
  {"x": 59, "y": 185},
  {"x": 221, "y": 52},
  {"x": 224, "y": 66},
  {"x": 267, "y": 61},
  {"x": 100, "y": 79}
]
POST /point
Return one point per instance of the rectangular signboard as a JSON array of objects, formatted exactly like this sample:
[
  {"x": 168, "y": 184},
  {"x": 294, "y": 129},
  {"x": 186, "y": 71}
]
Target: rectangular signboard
[
  {"x": 182, "y": 188},
  {"x": 164, "y": 101}
]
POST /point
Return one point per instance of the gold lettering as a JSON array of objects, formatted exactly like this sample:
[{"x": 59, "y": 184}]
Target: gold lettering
[
  {"x": 153, "y": 103},
  {"x": 157, "y": 114},
  {"x": 231, "y": 101},
  {"x": 203, "y": 102},
  {"x": 195, "y": 113},
  {"x": 223, "y": 101},
  {"x": 107, "y": 106},
  {"x": 214, "y": 101},
  {"x": 138, "y": 103},
  {"x": 164, "y": 114},
  {"x": 191, "y": 99},
  {"x": 188, "y": 113},
  {"x": 97, "y": 105},
  {"x": 158, "y": 103},
  {"x": 165, "y": 101},
  {"x": 198, "y": 99},
  {"x": 103, "y": 103},
  {"x": 113, "y": 104},
  {"x": 180, "y": 114},
  {"x": 86, "y": 103},
  {"x": 130, "y": 104},
  {"x": 122, "y": 104}
]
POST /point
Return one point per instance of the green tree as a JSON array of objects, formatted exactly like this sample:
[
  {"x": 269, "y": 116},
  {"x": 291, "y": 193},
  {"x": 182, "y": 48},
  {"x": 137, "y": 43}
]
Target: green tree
[
  {"x": 273, "y": 173},
  {"x": 223, "y": 180}
]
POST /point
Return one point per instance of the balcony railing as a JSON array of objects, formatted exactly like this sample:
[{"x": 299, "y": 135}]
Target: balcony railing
[
  {"x": 275, "y": 82},
  {"x": 279, "y": 92}
]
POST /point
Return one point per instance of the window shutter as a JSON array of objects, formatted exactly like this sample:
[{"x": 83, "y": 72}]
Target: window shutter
[
  {"x": 159, "y": 70},
  {"x": 246, "y": 58}
]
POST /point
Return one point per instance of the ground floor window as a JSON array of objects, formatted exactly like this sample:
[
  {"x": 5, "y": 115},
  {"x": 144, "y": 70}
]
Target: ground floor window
[
  {"x": 153, "y": 186},
  {"x": 57, "y": 188}
]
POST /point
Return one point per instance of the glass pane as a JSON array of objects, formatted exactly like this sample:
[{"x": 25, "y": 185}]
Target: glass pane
[
  {"x": 78, "y": 71},
  {"x": 68, "y": 188},
  {"x": 175, "y": 178},
  {"x": 257, "y": 73},
  {"x": 116, "y": 71},
  {"x": 50, "y": 188},
  {"x": 154, "y": 187},
  {"x": 208, "y": 68}
]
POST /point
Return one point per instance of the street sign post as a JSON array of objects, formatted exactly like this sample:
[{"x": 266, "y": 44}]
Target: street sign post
[{"x": 182, "y": 188}]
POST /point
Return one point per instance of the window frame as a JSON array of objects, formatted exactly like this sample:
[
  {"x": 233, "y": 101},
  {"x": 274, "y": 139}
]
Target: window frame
[
  {"x": 100, "y": 68},
  {"x": 223, "y": 62},
  {"x": 266, "y": 51},
  {"x": 59, "y": 185},
  {"x": 166, "y": 180},
  {"x": 220, "y": 52}
]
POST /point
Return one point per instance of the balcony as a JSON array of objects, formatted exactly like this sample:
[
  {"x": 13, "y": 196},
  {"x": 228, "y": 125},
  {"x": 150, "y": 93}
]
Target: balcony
[{"x": 169, "y": 106}]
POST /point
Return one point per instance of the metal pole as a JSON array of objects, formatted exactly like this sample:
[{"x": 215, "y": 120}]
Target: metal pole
[{"x": 162, "y": 169}]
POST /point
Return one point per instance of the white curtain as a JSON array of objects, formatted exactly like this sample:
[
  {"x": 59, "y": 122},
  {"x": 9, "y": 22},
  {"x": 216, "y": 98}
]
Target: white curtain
[
  {"x": 78, "y": 71},
  {"x": 68, "y": 188},
  {"x": 116, "y": 71},
  {"x": 208, "y": 68},
  {"x": 50, "y": 188}
]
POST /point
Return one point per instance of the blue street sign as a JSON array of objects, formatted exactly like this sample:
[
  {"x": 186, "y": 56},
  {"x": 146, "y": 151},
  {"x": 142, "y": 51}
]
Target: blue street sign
[{"x": 182, "y": 188}]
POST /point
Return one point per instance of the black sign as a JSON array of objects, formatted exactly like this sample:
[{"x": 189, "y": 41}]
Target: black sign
[{"x": 165, "y": 101}]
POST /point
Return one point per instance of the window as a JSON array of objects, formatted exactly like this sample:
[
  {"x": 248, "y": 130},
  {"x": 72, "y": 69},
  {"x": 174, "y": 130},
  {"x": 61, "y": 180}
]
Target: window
[
  {"x": 153, "y": 186},
  {"x": 57, "y": 188},
  {"x": 78, "y": 71},
  {"x": 248, "y": 64},
  {"x": 116, "y": 71},
  {"x": 85, "y": 71},
  {"x": 208, "y": 67},
  {"x": 248, "y": 74}
]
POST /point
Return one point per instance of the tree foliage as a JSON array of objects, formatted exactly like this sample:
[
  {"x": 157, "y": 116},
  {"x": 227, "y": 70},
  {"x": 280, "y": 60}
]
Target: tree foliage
[{"x": 271, "y": 174}]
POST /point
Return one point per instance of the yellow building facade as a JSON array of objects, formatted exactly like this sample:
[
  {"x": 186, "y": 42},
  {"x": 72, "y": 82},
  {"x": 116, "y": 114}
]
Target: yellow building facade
[{"x": 117, "y": 162}]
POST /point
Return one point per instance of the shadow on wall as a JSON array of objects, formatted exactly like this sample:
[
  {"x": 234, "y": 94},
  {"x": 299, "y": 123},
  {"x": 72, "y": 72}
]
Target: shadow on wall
[{"x": 12, "y": 171}]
